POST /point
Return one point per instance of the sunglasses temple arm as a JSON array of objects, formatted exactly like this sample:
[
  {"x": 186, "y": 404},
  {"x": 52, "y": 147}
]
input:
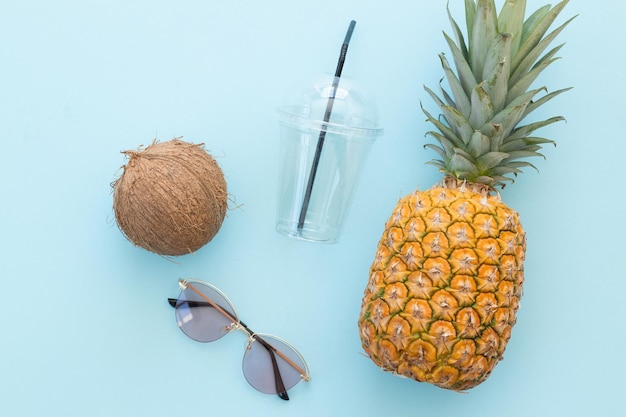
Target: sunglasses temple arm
[
  {"x": 278, "y": 379},
  {"x": 281, "y": 391}
]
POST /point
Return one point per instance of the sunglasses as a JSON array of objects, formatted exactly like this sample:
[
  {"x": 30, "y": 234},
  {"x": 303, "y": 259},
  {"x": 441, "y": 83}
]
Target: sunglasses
[{"x": 205, "y": 314}]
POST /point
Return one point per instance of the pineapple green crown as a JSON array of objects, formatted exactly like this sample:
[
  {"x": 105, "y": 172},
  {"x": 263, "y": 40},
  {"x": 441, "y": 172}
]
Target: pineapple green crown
[{"x": 479, "y": 135}]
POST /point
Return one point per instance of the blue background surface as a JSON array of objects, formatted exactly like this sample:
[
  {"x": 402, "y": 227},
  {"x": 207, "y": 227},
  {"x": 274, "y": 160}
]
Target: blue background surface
[{"x": 85, "y": 329}]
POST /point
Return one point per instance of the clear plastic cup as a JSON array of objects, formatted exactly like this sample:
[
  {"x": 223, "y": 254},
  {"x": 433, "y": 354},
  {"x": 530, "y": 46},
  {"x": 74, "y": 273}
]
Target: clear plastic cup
[{"x": 321, "y": 161}]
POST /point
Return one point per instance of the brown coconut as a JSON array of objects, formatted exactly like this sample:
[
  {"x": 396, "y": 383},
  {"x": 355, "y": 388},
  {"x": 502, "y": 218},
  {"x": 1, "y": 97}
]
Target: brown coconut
[{"x": 171, "y": 198}]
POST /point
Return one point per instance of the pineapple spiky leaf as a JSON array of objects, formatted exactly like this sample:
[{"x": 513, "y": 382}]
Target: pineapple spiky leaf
[
  {"x": 537, "y": 103},
  {"x": 527, "y": 80},
  {"x": 536, "y": 52},
  {"x": 444, "y": 131},
  {"x": 524, "y": 131},
  {"x": 479, "y": 144},
  {"x": 511, "y": 20},
  {"x": 497, "y": 70},
  {"x": 458, "y": 34},
  {"x": 484, "y": 31},
  {"x": 470, "y": 14},
  {"x": 534, "y": 31},
  {"x": 464, "y": 71},
  {"x": 460, "y": 97},
  {"x": 483, "y": 109}
]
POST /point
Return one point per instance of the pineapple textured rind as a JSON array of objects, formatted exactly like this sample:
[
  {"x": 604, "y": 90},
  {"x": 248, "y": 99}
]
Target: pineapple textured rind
[{"x": 444, "y": 287}]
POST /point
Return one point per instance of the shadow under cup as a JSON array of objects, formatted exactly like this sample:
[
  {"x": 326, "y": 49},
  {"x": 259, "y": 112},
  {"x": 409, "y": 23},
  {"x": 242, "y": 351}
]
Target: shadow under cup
[{"x": 315, "y": 211}]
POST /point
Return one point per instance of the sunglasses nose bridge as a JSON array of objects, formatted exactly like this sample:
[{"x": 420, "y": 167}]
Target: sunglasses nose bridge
[{"x": 241, "y": 327}]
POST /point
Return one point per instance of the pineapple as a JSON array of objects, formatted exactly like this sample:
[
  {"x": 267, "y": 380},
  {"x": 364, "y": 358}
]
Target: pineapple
[{"x": 446, "y": 280}]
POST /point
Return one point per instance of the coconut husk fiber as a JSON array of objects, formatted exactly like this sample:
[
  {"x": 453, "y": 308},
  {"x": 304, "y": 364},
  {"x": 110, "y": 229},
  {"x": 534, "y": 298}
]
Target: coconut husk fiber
[{"x": 171, "y": 198}]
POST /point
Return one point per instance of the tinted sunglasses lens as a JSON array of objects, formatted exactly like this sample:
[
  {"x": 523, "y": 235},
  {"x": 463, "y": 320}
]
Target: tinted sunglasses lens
[
  {"x": 198, "y": 318},
  {"x": 259, "y": 368}
]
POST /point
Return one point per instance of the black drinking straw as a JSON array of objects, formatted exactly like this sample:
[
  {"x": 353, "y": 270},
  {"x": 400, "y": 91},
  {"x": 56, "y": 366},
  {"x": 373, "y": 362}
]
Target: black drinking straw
[{"x": 322, "y": 137}]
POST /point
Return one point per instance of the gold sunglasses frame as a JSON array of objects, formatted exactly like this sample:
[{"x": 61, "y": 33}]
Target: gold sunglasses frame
[{"x": 237, "y": 324}]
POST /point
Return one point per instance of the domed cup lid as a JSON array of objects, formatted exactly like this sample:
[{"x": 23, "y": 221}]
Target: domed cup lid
[{"x": 352, "y": 111}]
